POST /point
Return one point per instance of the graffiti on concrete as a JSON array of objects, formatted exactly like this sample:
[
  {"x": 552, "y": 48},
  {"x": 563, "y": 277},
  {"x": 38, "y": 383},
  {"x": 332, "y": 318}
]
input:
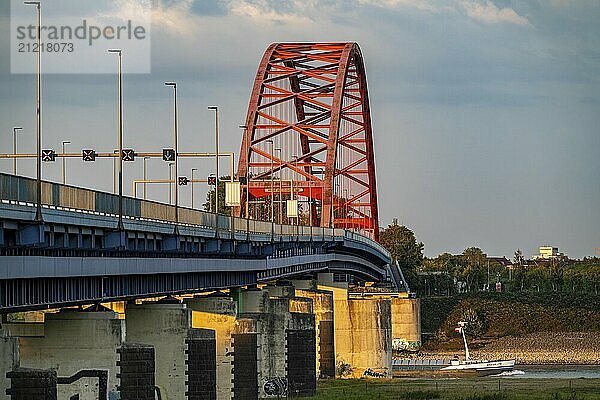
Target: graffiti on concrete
[
  {"x": 405, "y": 345},
  {"x": 373, "y": 374},
  {"x": 276, "y": 386}
]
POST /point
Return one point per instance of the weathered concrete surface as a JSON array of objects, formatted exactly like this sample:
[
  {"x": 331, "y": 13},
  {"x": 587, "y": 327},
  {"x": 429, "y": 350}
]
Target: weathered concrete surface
[
  {"x": 363, "y": 333},
  {"x": 275, "y": 310},
  {"x": 76, "y": 340},
  {"x": 9, "y": 360},
  {"x": 217, "y": 312},
  {"x": 166, "y": 326},
  {"x": 322, "y": 303},
  {"x": 406, "y": 324}
]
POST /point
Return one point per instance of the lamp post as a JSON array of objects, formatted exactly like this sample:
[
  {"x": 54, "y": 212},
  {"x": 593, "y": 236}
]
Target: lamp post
[
  {"x": 64, "y": 168},
  {"x": 38, "y": 209},
  {"x": 192, "y": 183},
  {"x": 174, "y": 86},
  {"x": 145, "y": 176},
  {"x": 114, "y": 172},
  {"x": 119, "y": 52},
  {"x": 244, "y": 127},
  {"x": 15, "y": 130},
  {"x": 216, "y": 110},
  {"x": 170, "y": 165}
]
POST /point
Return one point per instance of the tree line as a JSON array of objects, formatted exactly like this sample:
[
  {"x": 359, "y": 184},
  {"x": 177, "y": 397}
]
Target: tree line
[{"x": 473, "y": 271}]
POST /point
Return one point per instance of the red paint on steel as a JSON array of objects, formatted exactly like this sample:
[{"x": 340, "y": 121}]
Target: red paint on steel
[{"x": 308, "y": 127}]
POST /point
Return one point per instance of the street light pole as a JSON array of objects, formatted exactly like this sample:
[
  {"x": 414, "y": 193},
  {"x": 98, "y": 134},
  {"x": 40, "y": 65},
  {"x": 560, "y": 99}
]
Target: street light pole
[
  {"x": 244, "y": 127},
  {"x": 216, "y": 110},
  {"x": 174, "y": 86},
  {"x": 119, "y": 52},
  {"x": 170, "y": 165},
  {"x": 192, "y": 175},
  {"x": 64, "y": 168},
  {"x": 15, "y": 130},
  {"x": 38, "y": 210},
  {"x": 144, "y": 175}
]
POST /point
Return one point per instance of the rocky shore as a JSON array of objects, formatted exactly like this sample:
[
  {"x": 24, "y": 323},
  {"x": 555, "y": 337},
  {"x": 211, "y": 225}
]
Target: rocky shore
[{"x": 582, "y": 348}]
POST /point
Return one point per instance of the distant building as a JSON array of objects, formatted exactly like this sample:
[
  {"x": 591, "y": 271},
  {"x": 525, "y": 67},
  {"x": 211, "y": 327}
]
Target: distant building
[
  {"x": 548, "y": 253},
  {"x": 505, "y": 262}
]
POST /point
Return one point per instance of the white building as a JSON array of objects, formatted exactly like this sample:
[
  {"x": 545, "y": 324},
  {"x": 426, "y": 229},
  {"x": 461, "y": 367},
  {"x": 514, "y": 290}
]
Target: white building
[{"x": 548, "y": 253}]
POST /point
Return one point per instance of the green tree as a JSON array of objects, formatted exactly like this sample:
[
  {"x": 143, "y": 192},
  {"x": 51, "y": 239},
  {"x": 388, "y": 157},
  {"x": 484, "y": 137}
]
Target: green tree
[
  {"x": 474, "y": 260},
  {"x": 405, "y": 250},
  {"x": 402, "y": 245}
]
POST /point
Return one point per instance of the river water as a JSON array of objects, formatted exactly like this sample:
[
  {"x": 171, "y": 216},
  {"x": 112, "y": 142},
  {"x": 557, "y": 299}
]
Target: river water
[{"x": 553, "y": 372}]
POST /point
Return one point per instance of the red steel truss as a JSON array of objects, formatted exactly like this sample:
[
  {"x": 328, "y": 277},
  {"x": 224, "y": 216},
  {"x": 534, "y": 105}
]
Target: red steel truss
[{"x": 308, "y": 137}]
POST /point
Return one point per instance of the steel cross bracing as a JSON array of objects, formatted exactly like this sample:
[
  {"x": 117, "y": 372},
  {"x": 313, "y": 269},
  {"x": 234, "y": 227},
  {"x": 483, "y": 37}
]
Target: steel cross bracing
[{"x": 310, "y": 102}]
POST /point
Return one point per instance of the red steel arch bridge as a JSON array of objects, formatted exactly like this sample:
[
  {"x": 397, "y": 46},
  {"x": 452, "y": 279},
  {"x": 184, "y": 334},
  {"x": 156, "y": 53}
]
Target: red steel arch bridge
[{"x": 308, "y": 136}]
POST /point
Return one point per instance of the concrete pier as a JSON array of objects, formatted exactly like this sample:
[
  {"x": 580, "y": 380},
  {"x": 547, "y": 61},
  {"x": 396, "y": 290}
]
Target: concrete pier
[
  {"x": 9, "y": 360},
  {"x": 322, "y": 302},
  {"x": 362, "y": 330},
  {"x": 218, "y": 312},
  {"x": 406, "y": 324},
  {"x": 168, "y": 327},
  {"x": 74, "y": 341},
  {"x": 283, "y": 322}
]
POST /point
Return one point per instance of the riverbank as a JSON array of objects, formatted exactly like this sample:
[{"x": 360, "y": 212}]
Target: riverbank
[
  {"x": 459, "y": 389},
  {"x": 579, "y": 348}
]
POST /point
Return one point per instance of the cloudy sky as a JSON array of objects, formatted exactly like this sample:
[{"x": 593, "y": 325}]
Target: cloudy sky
[{"x": 486, "y": 113}]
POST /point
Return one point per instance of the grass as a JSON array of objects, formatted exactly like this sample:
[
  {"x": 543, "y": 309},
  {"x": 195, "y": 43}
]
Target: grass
[{"x": 459, "y": 389}]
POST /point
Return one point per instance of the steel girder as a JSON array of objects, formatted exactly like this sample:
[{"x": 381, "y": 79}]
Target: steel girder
[{"x": 308, "y": 136}]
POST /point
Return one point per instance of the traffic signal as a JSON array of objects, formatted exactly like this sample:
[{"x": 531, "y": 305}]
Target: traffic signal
[
  {"x": 168, "y": 155},
  {"x": 128, "y": 155},
  {"x": 88, "y": 155},
  {"x": 48, "y": 155},
  {"x": 212, "y": 180},
  {"x": 183, "y": 181},
  {"x": 243, "y": 180}
]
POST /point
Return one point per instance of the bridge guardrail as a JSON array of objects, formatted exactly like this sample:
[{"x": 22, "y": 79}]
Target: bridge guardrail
[{"x": 19, "y": 189}]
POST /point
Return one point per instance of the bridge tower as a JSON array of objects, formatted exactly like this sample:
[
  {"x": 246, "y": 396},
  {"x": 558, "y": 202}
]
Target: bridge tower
[{"x": 308, "y": 137}]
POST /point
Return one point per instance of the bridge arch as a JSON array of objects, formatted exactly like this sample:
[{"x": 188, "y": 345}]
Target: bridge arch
[{"x": 308, "y": 136}]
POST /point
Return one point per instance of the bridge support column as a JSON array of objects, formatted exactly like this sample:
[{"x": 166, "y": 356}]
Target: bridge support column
[
  {"x": 363, "y": 333},
  {"x": 9, "y": 360},
  {"x": 406, "y": 324},
  {"x": 285, "y": 328},
  {"x": 75, "y": 341},
  {"x": 217, "y": 312},
  {"x": 322, "y": 301},
  {"x": 168, "y": 327}
]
